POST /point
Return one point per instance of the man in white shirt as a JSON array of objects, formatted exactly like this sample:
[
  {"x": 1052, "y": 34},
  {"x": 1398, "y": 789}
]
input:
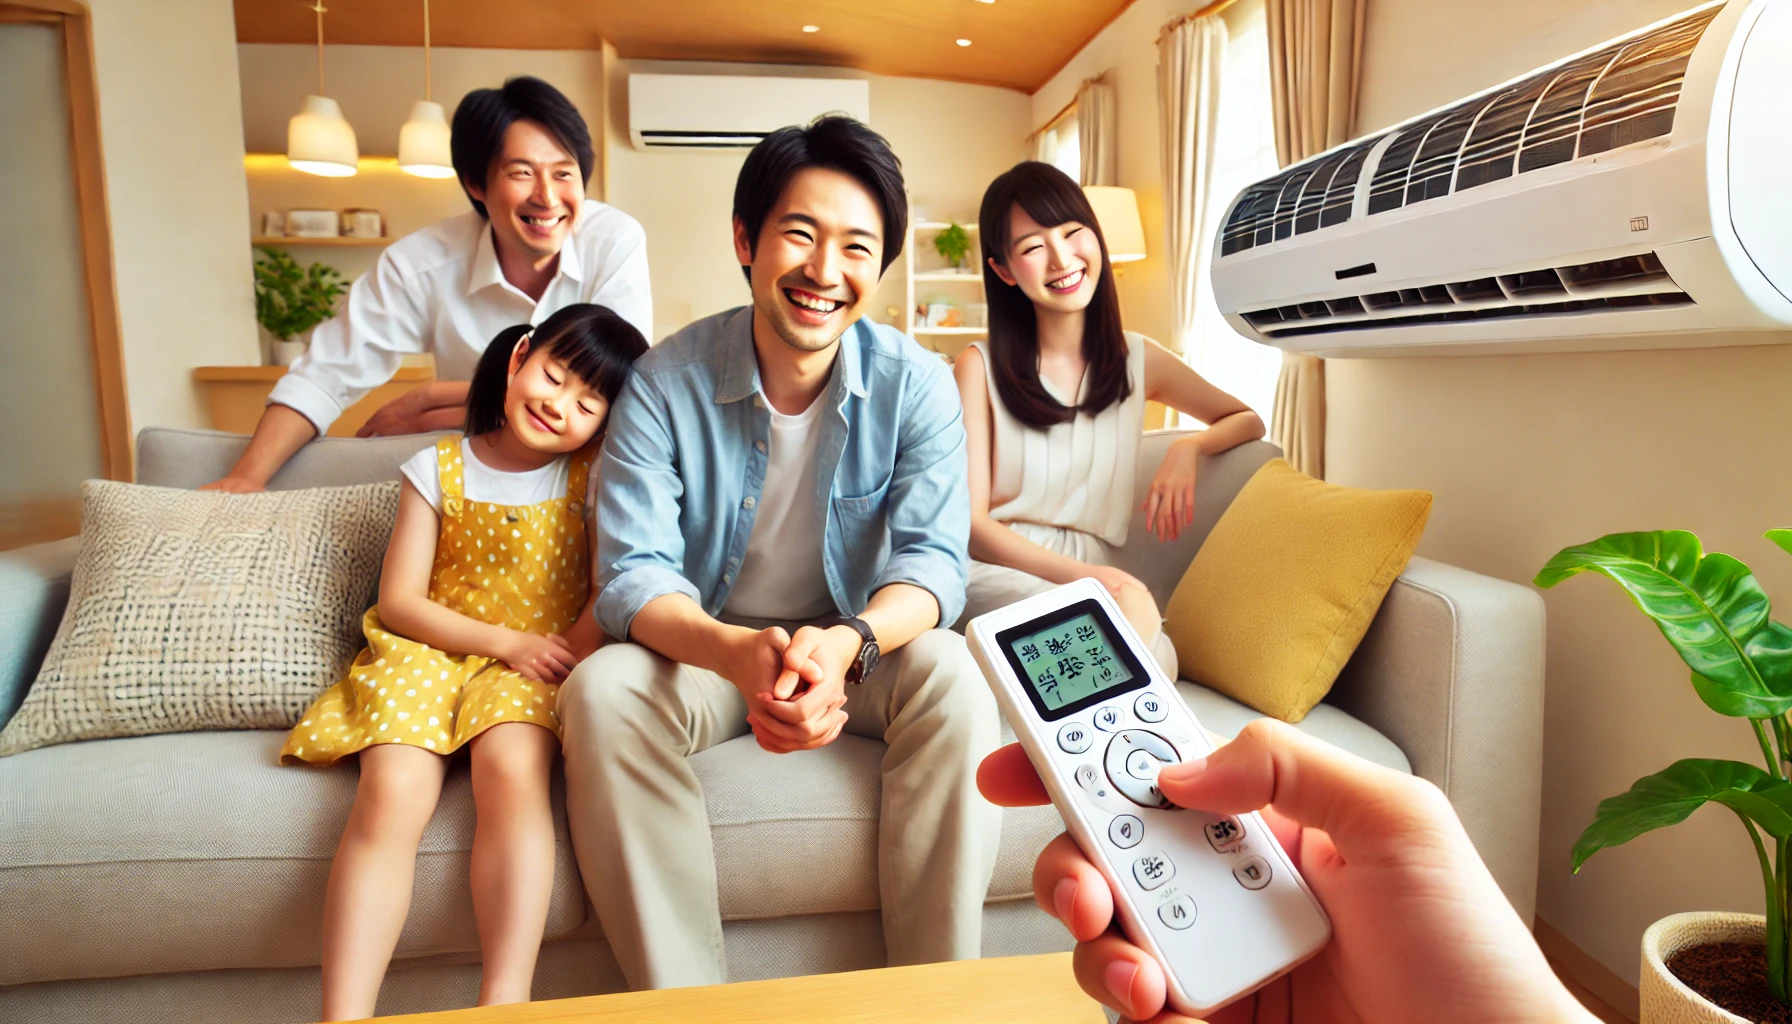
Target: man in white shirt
[{"x": 533, "y": 245}]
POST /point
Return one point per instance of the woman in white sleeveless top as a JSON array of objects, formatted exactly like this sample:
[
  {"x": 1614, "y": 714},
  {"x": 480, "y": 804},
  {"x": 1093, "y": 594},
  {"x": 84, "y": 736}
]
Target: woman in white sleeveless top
[{"x": 1054, "y": 408}]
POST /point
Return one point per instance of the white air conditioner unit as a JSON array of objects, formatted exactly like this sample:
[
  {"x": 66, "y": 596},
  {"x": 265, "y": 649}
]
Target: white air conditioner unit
[
  {"x": 733, "y": 111},
  {"x": 1642, "y": 187}
]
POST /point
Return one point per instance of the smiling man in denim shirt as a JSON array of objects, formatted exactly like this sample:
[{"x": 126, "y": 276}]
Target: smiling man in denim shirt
[{"x": 781, "y": 533}]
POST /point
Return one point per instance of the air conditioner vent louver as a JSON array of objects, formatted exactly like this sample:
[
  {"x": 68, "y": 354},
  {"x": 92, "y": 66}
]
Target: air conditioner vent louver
[
  {"x": 1617, "y": 96},
  {"x": 701, "y": 140},
  {"x": 1303, "y": 198},
  {"x": 1607, "y": 284}
]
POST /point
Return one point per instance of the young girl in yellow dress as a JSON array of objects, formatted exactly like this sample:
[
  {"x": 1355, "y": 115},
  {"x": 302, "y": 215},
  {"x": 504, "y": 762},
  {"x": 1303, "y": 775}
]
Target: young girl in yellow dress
[{"x": 484, "y": 607}]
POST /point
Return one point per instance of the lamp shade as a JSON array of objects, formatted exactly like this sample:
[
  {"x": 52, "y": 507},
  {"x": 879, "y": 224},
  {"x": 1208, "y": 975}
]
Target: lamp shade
[
  {"x": 320, "y": 141},
  {"x": 1117, "y": 213},
  {"x": 423, "y": 142}
]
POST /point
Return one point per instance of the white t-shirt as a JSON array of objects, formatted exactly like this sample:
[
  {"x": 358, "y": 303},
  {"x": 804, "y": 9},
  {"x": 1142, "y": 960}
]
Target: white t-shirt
[
  {"x": 781, "y": 576},
  {"x": 480, "y": 482}
]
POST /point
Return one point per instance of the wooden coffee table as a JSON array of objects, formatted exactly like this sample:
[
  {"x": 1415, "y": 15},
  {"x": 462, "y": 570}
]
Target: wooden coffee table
[{"x": 1031, "y": 989}]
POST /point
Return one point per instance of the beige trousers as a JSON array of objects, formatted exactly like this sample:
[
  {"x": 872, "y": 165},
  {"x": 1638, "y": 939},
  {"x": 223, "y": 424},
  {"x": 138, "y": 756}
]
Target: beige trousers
[{"x": 641, "y": 834}]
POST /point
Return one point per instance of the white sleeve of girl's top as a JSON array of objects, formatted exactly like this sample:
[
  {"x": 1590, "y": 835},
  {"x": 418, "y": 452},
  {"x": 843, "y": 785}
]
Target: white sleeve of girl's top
[{"x": 424, "y": 474}]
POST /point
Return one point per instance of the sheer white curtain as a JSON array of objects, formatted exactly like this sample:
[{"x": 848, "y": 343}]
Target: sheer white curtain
[
  {"x": 1096, "y": 132},
  {"x": 1244, "y": 151}
]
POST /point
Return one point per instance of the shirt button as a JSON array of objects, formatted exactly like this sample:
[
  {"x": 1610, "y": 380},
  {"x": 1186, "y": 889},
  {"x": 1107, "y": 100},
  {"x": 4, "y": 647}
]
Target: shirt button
[
  {"x": 748, "y": 503},
  {"x": 759, "y": 446},
  {"x": 727, "y": 577}
]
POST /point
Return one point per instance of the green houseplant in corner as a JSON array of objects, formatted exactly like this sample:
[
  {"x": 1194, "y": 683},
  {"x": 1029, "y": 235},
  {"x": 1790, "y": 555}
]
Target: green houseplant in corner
[
  {"x": 290, "y": 300},
  {"x": 1714, "y": 613}
]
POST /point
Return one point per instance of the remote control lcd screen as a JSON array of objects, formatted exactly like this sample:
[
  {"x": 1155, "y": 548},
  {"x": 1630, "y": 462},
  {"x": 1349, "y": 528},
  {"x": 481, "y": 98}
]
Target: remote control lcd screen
[{"x": 1071, "y": 661}]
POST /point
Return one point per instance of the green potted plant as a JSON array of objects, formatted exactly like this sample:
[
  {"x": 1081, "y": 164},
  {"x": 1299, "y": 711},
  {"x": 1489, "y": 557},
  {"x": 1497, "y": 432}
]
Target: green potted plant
[
  {"x": 290, "y": 300},
  {"x": 953, "y": 244},
  {"x": 1714, "y": 613}
]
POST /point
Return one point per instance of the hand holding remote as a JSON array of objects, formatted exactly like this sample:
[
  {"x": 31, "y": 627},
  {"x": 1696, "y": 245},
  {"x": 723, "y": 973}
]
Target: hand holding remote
[{"x": 1420, "y": 930}]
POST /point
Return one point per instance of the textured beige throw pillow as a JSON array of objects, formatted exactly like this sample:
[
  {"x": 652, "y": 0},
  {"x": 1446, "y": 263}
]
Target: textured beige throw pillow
[{"x": 197, "y": 610}]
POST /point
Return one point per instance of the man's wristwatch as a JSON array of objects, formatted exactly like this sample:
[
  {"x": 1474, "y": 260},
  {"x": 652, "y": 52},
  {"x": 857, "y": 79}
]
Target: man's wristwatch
[{"x": 862, "y": 666}]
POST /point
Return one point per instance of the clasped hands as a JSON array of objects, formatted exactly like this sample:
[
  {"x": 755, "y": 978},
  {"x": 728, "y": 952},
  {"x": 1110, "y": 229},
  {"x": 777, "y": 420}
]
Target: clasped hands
[{"x": 795, "y": 684}]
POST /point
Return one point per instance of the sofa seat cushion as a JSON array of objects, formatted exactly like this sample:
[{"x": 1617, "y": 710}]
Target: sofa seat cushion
[
  {"x": 1224, "y": 716},
  {"x": 196, "y": 851}
]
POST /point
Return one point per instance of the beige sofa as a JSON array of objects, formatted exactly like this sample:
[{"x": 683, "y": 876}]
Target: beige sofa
[{"x": 181, "y": 877}]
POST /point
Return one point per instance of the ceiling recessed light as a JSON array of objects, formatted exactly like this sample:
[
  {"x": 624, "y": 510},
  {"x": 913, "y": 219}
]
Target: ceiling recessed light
[
  {"x": 811, "y": 28},
  {"x": 964, "y": 42},
  {"x": 986, "y": 1}
]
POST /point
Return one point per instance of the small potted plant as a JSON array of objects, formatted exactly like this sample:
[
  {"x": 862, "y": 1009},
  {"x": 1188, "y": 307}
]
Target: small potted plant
[
  {"x": 1708, "y": 967},
  {"x": 291, "y": 300},
  {"x": 953, "y": 244}
]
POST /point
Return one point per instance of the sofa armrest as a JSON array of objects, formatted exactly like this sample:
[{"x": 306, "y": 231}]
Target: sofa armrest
[
  {"x": 34, "y": 585},
  {"x": 1451, "y": 670}
]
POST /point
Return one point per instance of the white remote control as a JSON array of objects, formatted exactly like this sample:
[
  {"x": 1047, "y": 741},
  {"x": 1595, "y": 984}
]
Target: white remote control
[{"x": 1214, "y": 899}]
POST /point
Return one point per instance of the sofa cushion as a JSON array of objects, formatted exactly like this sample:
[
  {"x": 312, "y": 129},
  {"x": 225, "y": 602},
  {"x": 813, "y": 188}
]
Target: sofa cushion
[
  {"x": 1287, "y": 583},
  {"x": 196, "y": 851},
  {"x": 173, "y": 457},
  {"x": 1224, "y": 716},
  {"x": 197, "y": 610}
]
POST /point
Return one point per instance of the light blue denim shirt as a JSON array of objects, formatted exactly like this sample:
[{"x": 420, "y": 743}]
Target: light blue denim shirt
[{"x": 684, "y": 464}]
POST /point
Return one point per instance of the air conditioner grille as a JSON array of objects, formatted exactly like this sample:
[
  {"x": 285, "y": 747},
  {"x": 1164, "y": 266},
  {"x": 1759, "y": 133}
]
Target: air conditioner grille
[
  {"x": 1635, "y": 99},
  {"x": 1436, "y": 162},
  {"x": 1488, "y": 153},
  {"x": 1555, "y": 124},
  {"x": 1387, "y": 190},
  {"x": 1625, "y": 282}
]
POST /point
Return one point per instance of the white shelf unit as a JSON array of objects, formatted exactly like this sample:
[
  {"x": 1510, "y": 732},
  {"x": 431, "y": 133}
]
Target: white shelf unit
[{"x": 963, "y": 287}]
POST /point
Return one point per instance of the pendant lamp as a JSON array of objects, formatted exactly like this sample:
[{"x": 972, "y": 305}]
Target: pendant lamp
[
  {"x": 318, "y": 139},
  {"x": 423, "y": 141}
]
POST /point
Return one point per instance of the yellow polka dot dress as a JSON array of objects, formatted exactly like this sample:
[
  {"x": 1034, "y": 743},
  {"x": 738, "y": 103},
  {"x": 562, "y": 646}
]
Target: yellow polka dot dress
[{"x": 527, "y": 567}]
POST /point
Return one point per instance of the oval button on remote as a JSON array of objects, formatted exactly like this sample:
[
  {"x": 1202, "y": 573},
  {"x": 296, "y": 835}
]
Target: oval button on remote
[
  {"x": 1141, "y": 765},
  {"x": 1179, "y": 913},
  {"x": 1252, "y": 873},
  {"x": 1074, "y": 738},
  {"x": 1126, "y": 831},
  {"x": 1150, "y": 708},
  {"x": 1107, "y": 719}
]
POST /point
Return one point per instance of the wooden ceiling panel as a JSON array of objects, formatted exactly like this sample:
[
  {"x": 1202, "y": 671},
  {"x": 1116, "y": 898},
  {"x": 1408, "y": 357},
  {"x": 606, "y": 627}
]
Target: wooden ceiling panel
[{"x": 1018, "y": 44}]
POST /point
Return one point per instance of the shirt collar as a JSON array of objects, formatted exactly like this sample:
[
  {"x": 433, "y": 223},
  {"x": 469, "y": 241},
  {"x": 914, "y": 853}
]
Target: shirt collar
[
  {"x": 740, "y": 364},
  {"x": 486, "y": 271}
]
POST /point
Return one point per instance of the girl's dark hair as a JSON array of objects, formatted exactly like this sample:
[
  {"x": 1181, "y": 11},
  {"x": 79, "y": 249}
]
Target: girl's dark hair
[
  {"x": 1050, "y": 197},
  {"x": 597, "y": 345},
  {"x": 838, "y": 143},
  {"x": 484, "y": 115}
]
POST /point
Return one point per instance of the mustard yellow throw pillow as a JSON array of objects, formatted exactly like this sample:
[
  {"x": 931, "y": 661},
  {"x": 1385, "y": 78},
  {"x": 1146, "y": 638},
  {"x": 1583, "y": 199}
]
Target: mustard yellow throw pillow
[{"x": 1285, "y": 586}]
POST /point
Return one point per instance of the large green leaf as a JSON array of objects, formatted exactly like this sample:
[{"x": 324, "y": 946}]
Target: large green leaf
[
  {"x": 1709, "y": 607},
  {"x": 1667, "y": 797}
]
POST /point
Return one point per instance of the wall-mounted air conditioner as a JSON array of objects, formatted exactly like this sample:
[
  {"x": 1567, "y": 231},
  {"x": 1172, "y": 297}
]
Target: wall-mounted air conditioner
[
  {"x": 732, "y": 111},
  {"x": 1642, "y": 187}
]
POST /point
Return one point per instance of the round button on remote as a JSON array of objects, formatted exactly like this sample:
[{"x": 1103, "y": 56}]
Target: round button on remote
[
  {"x": 1074, "y": 738},
  {"x": 1252, "y": 873},
  {"x": 1126, "y": 831},
  {"x": 1150, "y": 708},
  {"x": 1141, "y": 765},
  {"x": 1107, "y": 719},
  {"x": 1179, "y": 913}
]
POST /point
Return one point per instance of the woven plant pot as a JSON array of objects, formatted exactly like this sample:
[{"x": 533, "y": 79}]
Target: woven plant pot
[{"x": 1663, "y": 998}]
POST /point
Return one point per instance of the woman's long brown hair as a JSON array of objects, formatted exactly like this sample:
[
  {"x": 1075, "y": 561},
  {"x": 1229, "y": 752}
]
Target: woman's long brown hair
[{"x": 1050, "y": 198}]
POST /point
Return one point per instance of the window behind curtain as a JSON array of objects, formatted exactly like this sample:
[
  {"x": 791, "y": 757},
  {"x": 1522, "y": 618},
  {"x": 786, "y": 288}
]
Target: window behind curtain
[
  {"x": 1244, "y": 152},
  {"x": 1061, "y": 147}
]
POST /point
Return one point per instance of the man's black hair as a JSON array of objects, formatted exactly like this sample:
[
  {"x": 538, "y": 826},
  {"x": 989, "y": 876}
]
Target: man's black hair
[
  {"x": 485, "y": 114},
  {"x": 838, "y": 143}
]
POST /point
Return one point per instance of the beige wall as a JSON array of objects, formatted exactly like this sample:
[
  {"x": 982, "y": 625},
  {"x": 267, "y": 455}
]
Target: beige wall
[
  {"x": 1527, "y": 454},
  {"x": 952, "y": 140},
  {"x": 171, "y": 128}
]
